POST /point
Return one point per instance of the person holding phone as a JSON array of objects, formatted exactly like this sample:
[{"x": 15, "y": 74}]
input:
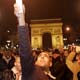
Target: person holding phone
[{"x": 74, "y": 66}]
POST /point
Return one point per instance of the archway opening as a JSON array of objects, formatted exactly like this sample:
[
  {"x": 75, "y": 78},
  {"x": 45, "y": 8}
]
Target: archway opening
[{"x": 47, "y": 40}]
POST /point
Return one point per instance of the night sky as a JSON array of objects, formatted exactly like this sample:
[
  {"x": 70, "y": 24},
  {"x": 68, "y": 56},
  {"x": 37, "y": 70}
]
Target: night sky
[
  {"x": 39, "y": 9},
  {"x": 68, "y": 10}
]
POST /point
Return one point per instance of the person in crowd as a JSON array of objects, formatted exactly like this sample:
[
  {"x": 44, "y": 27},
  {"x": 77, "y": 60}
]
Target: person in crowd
[
  {"x": 17, "y": 68},
  {"x": 5, "y": 73},
  {"x": 68, "y": 75},
  {"x": 74, "y": 66},
  {"x": 8, "y": 75},
  {"x": 3, "y": 66},
  {"x": 58, "y": 66},
  {"x": 9, "y": 58},
  {"x": 66, "y": 53},
  {"x": 30, "y": 71}
]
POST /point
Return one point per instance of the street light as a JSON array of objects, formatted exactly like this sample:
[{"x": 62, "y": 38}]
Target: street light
[
  {"x": 8, "y": 31},
  {"x": 67, "y": 28}
]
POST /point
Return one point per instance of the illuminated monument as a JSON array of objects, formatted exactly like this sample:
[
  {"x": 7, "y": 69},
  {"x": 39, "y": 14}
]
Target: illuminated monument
[{"x": 46, "y": 33}]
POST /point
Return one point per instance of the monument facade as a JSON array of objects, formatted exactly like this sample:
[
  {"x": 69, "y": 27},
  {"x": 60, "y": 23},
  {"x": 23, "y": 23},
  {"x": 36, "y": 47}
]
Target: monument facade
[{"x": 46, "y": 33}]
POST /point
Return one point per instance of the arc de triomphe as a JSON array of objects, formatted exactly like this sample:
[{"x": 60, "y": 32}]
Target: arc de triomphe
[{"x": 46, "y": 33}]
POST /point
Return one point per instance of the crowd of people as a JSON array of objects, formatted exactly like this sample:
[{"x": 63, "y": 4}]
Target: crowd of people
[
  {"x": 28, "y": 64},
  {"x": 56, "y": 64}
]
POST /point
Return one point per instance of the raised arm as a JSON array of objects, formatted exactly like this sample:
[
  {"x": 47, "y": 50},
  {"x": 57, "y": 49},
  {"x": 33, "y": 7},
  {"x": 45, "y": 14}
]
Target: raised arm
[
  {"x": 24, "y": 44},
  {"x": 69, "y": 61}
]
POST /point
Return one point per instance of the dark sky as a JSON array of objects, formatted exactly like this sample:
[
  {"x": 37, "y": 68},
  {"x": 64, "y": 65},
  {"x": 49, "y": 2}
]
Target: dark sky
[
  {"x": 68, "y": 10},
  {"x": 39, "y": 9}
]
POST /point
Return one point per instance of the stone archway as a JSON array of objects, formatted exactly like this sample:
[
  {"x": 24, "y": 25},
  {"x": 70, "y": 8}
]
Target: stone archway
[
  {"x": 50, "y": 28},
  {"x": 47, "y": 40}
]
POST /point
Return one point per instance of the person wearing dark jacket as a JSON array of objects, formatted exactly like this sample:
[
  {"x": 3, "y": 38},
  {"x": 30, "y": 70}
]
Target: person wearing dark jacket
[
  {"x": 3, "y": 66},
  {"x": 58, "y": 66},
  {"x": 31, "y": 71}
]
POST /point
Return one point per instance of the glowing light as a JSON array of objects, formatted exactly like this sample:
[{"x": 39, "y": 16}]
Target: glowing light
[
  {"x": 19, "y": 2},
  {"x": 8, "y": 41},
  {"x": 67, "y": 28},
  {"x": 8, "y": 31}
]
